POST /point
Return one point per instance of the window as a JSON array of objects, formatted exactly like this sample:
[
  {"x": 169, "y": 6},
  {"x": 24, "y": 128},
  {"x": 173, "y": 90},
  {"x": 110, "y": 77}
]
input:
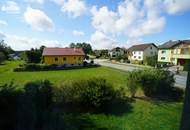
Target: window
[
  {"x": 178, "y": 51},
  {"x": 139, "y": 52},
  {"x": 79, "y": 58},
  {"x": 187, "y": 51},
  {"x": 151, "y": 52},
  {"x": 134, "y": 56},
  {"x": 172, "y": 59},
  {"x": 139, "y": 57},
  {"x": 182, "y": 51},
  {"x": 56, "y": 59},
  {"x": 163, "y": 52},
  {"x": 163, "y": 58},
  {"x": 150, "y": 47},
  {"x": 64, "y": 59},
  {"x": 175, "y": 51},
  {"x": 134, "y": 52},
  {"x": 74, "y": 58}
]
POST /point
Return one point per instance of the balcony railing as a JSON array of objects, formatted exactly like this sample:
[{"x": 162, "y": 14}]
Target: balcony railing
[{"x": 181, "y": 51}]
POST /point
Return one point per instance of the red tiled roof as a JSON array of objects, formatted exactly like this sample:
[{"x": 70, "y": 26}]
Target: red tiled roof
[{"x": 62, "y": 51}]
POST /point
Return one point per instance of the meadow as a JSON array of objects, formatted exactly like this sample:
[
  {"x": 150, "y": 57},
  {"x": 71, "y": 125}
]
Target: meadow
[{"x": 143, "y": 114}]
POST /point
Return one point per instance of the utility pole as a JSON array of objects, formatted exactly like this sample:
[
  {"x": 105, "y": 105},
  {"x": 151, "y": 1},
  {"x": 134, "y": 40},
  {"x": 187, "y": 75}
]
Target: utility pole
[{"x": 185, "y": 120}]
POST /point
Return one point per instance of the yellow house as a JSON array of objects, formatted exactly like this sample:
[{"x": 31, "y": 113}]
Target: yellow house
[{"x": 63, "y": 56}]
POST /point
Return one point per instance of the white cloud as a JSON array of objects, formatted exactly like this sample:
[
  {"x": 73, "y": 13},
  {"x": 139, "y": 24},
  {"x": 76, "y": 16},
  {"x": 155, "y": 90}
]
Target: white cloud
[
  {"x": 100, "y": 41},
  {"x": 11, "y": 7},
  {"x": 35, "y": 1},
  {"x": 74, "y": 8},
  {"x": 78, "y": 33},
  {"x": 134, "y": 19},
  {"x": 59, "y": 2},
  {"x": 38, "y": 20},
  {"x": 177, "y": 6},
  {"x": 3, "y": 23},
  {"x": 26, "y": 43},
  {"x": 103, "y": 19},
  {"x": 130, "y": 16},
  {"x": 2, "y": 35}
]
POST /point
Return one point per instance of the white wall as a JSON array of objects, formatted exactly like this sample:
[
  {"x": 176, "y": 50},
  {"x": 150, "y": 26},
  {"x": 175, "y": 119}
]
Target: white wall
[
  {"x": 116, "y": 53},
  {"x": 137, "y": 55},
  {"x": 141, "y": 55},
  {"x": 150, "y": 51}
]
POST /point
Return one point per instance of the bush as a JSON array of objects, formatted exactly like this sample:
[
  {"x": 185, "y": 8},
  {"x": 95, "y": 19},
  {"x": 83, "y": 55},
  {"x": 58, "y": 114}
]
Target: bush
[
  {"x": 89, "y": 93},
  {"x": 151, "y": 60},
  {"x": 154, "y": 83},
  {"x": 92, "y": 62},
  {"x": 32, "y": 67},
  {"x": 35, "y": 105},
  {"x": 133, "y": 82},
  {"x": 85, "y": 63},
  {"x": 8, "y": 106},
  {"x": 137, "y": 62}
]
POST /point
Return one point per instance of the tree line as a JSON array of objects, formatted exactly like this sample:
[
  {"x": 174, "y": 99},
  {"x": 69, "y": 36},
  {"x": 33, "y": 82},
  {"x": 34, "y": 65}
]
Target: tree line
[{"x": 5, "y": 50}]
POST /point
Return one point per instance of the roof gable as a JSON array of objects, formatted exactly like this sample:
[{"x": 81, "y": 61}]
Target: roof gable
[
  {"x": 171, "y": 44},
  {"x": 141, "y": 47},
  {"x": 62, "y": 51}
]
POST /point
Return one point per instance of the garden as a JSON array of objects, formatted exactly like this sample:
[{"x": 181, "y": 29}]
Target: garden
[{"x": 89, "y": 98}]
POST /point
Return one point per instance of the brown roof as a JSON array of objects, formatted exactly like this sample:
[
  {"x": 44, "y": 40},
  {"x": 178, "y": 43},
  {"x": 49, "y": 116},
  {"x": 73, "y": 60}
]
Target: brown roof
[
  {"x": 168, "y": 44},
  {"x": 63, "y": 52},
  {"x": 171, "y": 44},
  {"x": 141, "y": 47}
]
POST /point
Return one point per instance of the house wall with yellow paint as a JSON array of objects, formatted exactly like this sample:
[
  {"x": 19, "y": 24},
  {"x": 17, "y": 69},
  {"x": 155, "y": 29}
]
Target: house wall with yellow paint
[{"x": 63, "y": 60}]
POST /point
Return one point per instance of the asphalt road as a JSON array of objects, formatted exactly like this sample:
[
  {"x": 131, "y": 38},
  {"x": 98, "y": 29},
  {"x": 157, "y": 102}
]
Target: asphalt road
[{"x": 180, "y": 80}]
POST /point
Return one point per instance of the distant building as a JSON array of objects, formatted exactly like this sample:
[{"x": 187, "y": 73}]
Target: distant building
[
  {"x": 175, "y": 52},
  {"x": 117, "y": 52},
  {"x": 16, "y": 55},
  {"x": 141, "y": 51},
  {"x": 63, "y": 56}
]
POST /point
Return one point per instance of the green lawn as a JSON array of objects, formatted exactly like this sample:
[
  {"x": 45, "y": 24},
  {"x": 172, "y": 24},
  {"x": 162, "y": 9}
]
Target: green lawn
[
  {"x": 20, "y": 78},
  {"x": 143, "y": 115}
]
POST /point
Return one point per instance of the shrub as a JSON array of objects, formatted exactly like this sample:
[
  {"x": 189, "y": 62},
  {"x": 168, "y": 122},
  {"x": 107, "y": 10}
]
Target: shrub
[
  {"x": 92, "y": 61},
  {"x": 35, "y": 105},
  {"x": 133, "y": 82},
  {"x": 40, "y": 93},
  {"x": 89, "y": 93},
  {"x": 151, "y": 60},
  {"x": 32, "y": 67},
  {"x": 85, "y": 63},
  {"x": 8, "y": 106},
  {"x": 136, "y": 62},
  {"x": 154, "y": 83}
]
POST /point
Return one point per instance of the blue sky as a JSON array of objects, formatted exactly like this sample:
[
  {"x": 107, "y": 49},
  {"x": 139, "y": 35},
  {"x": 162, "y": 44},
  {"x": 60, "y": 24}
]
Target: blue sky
[{"x": 103, "y": 23}]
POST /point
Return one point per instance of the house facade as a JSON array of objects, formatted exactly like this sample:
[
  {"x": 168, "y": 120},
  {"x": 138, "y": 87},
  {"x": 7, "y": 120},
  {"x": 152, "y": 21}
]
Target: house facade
[
  {"x": 141, "y": 51},
  {"x": 175, "y": 52},
  {"x": 116, "y": 52},
  {"x": 63, "y": 56}
]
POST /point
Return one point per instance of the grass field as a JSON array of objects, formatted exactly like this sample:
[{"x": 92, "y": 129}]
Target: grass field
[{"x": 143, "y": 115}]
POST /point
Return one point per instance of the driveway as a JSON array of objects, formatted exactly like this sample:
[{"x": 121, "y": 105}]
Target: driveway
[{"x": 180, "y": 80}]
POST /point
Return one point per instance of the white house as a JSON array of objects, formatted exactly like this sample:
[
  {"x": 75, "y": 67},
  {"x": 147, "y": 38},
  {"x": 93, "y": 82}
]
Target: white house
[
  {"x": 141, "y": 51},
  {"x": 116, "y": 52}
]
